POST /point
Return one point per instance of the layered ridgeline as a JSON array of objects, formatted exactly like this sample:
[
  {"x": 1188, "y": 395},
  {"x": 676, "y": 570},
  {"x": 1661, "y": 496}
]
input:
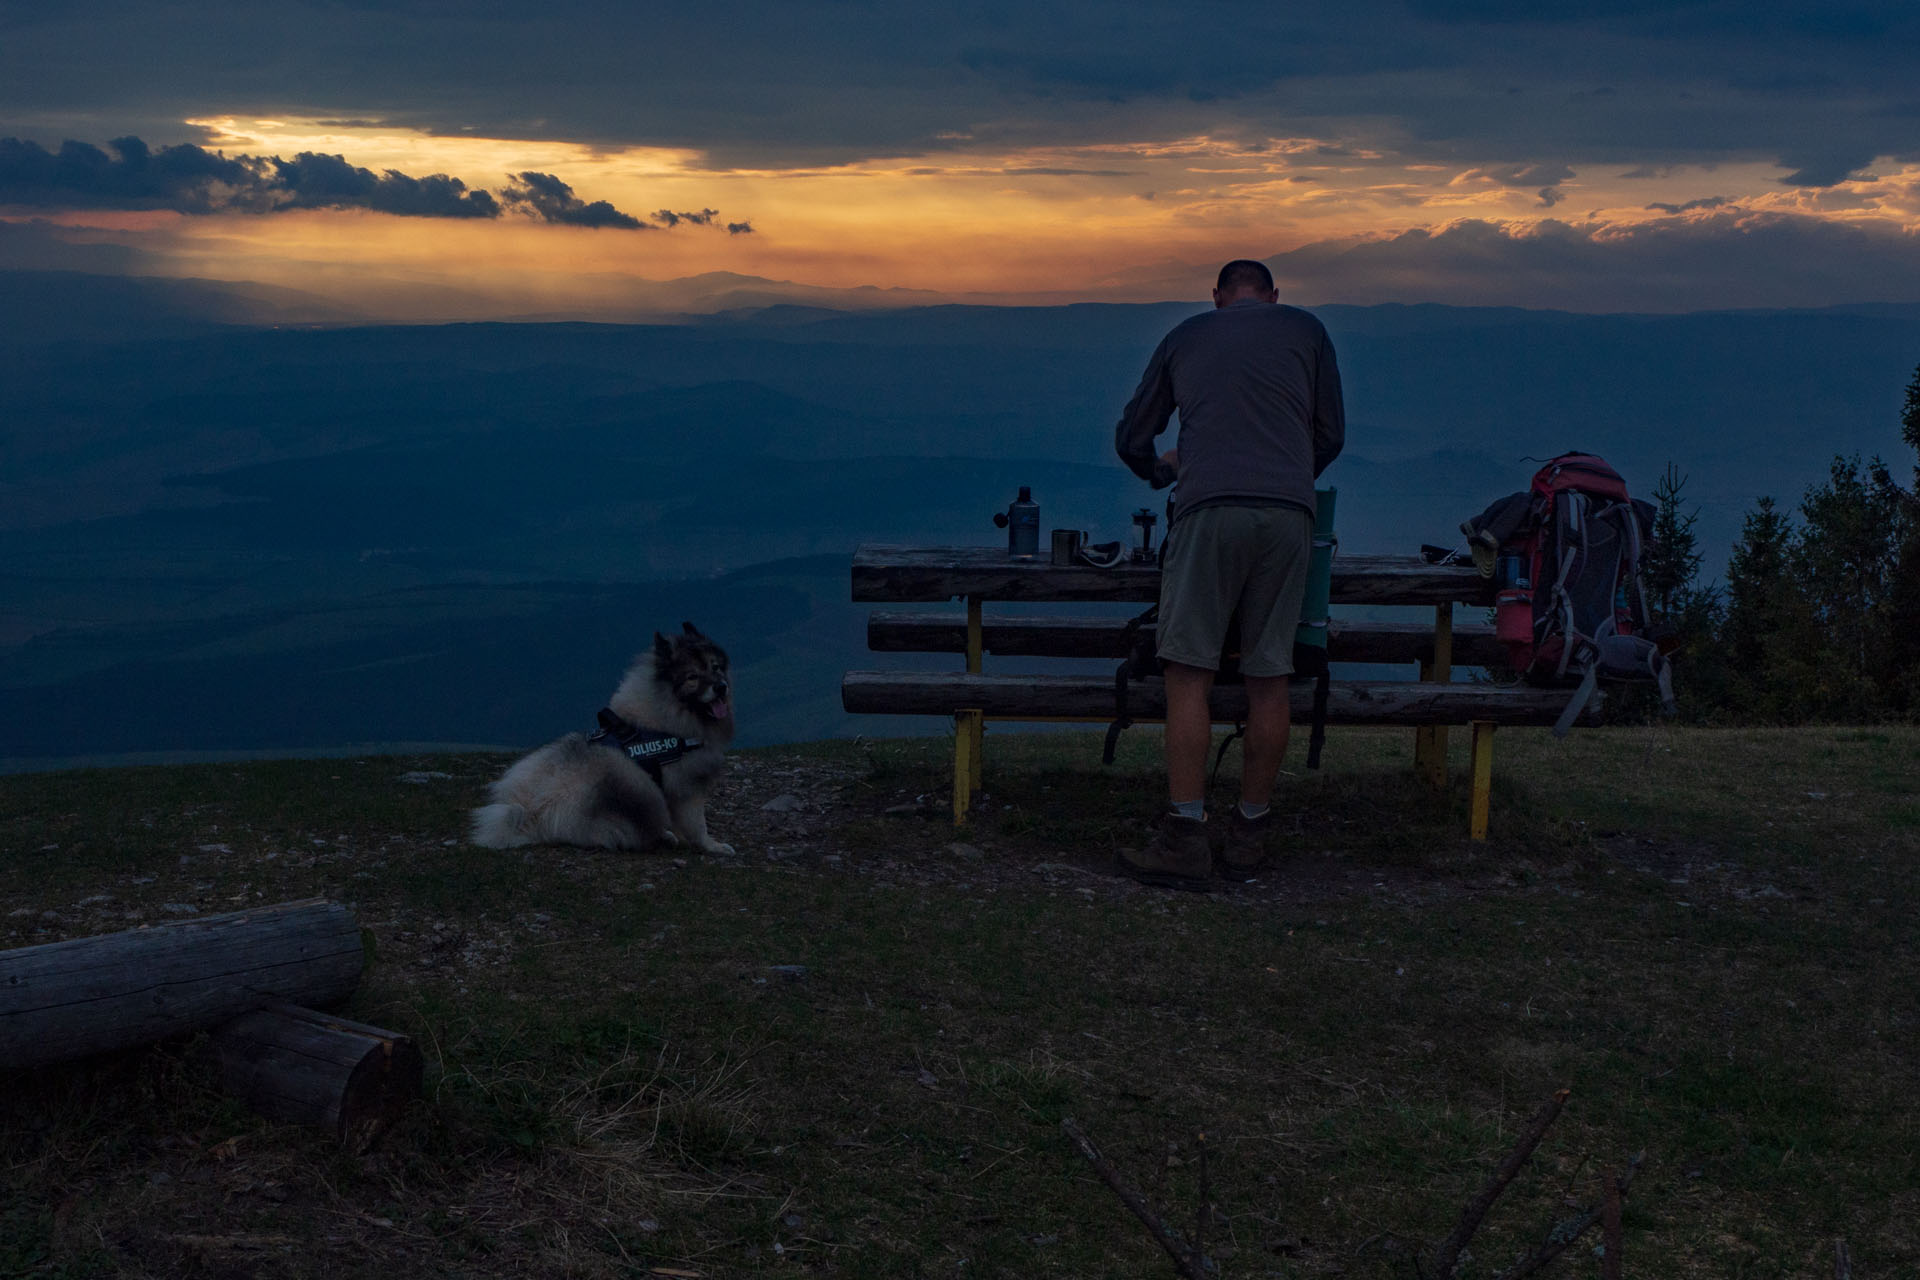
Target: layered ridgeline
[{"x": 218, "y": 535}]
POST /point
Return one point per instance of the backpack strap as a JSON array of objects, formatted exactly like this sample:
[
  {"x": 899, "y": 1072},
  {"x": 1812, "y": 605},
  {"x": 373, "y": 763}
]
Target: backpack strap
[
  {"x": 1319, "y": 736},
  {"x": 1239, "y": 731},
  {"x": 1581, "y": 696},
  {"x": 1568, "y": 519},
  {"x": 1121, "y": 720}
]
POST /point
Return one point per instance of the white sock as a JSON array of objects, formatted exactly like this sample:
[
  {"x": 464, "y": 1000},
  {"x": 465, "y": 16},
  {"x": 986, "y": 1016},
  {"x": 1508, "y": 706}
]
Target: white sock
[{"x": 1248, "y": 812}]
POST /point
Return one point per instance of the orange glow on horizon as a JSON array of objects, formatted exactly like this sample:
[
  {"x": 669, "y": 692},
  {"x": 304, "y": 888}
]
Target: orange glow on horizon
[{"x": 1035, "y": 224}]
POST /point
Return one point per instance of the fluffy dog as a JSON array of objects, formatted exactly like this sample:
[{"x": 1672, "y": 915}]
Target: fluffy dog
[{"x": 643, "y": 779}]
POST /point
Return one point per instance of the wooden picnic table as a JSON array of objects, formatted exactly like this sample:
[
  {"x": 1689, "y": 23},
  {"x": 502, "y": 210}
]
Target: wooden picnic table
[
  {"x": 897, "y": 574},
  {"x": 885, "y": 573}
]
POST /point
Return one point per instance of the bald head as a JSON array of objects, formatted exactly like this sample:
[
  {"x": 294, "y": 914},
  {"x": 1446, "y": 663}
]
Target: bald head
[{"x": 1244, "y": 280}]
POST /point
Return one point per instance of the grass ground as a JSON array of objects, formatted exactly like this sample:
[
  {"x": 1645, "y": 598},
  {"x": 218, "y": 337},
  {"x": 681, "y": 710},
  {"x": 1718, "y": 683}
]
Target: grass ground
[{"x": 847, "y": 1051}]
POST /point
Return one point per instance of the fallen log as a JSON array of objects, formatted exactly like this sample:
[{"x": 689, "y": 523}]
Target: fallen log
[
  {"x": 63, "y": 1000},
  {"x": 1042, "y": 697},
  {"x": 302, "y": 1067}
]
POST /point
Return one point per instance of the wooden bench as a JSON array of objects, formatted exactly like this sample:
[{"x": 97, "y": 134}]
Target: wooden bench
[{"x": 896, "y": 574}]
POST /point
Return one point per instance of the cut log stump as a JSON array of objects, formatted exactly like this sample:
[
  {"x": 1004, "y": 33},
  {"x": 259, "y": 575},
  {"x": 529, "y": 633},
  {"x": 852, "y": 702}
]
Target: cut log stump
[
  {"x": 302, "y": 1067},
  {"x": 64, "y": 1000}
]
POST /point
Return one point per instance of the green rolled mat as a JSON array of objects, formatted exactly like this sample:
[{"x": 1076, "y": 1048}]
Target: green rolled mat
[{"x": 1313, "y": 609}]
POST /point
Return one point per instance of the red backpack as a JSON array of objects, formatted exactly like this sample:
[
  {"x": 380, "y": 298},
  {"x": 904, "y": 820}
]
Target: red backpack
[{"x": 1570, "y": 604}]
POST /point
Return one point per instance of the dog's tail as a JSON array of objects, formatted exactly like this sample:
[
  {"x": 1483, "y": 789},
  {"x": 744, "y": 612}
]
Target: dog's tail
[{"x": 500, "y": 826}]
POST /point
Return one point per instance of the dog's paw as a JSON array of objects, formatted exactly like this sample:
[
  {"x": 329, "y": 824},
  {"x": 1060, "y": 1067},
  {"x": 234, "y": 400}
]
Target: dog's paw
[
  {"x": 669, "y": 840},
  {"x": 720, "y": 847}
]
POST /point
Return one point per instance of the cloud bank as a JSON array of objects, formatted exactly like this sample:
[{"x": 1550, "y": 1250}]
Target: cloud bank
[
  {"x": 193, "y": 180},
  {"x": 552, "y": 200},
  {"x": 1819, "y": 91},
  {"x": 1725, "y": 258}
]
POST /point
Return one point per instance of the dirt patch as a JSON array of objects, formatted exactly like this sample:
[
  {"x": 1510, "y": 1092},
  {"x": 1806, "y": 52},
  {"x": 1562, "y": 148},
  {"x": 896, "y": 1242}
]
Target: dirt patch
[{"x": 831, "y": 816}]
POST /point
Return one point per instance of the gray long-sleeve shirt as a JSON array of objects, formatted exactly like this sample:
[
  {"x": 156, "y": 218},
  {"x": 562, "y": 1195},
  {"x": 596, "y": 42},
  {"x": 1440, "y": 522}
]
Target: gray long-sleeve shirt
[{"x": 1261, "y": 414}]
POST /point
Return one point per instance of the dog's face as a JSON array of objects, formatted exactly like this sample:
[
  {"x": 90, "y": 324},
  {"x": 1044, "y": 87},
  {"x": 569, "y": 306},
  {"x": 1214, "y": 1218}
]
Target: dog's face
[{"x": 694, "y": 670}]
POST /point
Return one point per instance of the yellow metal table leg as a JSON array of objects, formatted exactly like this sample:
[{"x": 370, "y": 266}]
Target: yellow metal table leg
[
  {"x": 1430, "y": 744},
  {"x": 1423, "y": 737},
  {"x": 963, "y": 765},
  {"x": 969, "y": 727},
  {"x": 1482, "y": 777}
]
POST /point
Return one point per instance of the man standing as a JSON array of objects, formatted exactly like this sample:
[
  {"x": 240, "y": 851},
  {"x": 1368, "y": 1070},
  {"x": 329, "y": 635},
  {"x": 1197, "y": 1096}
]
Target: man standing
[{"x": 1260, "y": 418}]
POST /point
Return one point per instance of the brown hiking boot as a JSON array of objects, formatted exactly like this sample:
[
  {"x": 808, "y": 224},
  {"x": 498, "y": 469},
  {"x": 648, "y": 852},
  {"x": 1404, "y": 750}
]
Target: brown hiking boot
[
  {"x": 1245, "y": 855},
  {"x": 1178, "y": 856}
]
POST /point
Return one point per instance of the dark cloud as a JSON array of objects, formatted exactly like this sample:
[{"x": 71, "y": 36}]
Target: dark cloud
[
  {"x": 739, "y": 228},
  {"x": 191, "y": 179},
  {"x": 1726, "y": 259},
  {"x": 699, "y": 217},
  {"x": 82, "y": 176},
  {"x": 1705, "y": 202},
  {"x": 311, "y": 181},
  {"x": 552, "y": 200},
  {"x": 767, "y": 82},
  {"x": 1823, "y": 167}
]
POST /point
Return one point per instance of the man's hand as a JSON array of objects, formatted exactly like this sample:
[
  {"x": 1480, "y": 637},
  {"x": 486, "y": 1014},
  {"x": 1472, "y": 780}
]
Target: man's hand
[{"x": 1166, "y": 468}]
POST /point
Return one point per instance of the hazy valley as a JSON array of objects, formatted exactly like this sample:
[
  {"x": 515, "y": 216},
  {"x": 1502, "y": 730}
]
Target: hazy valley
[{"x": 221, "y": 536}]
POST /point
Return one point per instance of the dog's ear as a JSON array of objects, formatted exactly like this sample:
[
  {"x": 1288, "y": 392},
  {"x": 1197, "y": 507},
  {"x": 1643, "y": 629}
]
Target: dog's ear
[
  {"x": 662, "y": 650},
  {"x": 692, "y": 630}
]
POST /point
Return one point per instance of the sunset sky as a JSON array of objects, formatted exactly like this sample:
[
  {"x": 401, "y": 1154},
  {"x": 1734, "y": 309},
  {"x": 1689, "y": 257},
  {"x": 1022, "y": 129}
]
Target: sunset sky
[{"x": 1626, "y": 155}]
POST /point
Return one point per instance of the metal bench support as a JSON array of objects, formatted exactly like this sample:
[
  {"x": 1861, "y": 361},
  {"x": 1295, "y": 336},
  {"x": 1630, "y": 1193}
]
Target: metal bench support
[
  {"x": 1482, "y": 778},
  {"x": 1430, "y": 743},
  {"x": 969, "y": 727}
]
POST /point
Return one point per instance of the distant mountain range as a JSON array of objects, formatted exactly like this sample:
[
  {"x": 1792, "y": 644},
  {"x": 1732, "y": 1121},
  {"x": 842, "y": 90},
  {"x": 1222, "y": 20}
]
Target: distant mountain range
[{"x": 220, "y": 535}]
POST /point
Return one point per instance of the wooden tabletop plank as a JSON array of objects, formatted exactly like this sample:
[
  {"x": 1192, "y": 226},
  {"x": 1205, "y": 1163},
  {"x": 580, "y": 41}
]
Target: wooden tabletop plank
[{"x": 887, "y": 574}]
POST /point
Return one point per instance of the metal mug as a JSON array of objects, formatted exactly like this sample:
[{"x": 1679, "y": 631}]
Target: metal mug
[{"x": 1067, "y": 544}]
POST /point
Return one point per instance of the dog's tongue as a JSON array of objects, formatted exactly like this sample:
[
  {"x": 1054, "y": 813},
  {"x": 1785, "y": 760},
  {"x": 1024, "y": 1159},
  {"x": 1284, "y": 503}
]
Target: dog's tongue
[{"x": 719, "y": 709}]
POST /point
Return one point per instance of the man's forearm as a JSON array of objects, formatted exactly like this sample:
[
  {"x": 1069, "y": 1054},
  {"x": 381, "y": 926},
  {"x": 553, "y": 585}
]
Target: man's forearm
[
  {"x": 1145, "y": 418},
  {"x": 1329, "y": 413}
]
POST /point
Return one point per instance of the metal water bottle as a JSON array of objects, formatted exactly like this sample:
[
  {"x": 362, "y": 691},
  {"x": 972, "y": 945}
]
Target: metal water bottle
[{"x": 1021, "y": 520}]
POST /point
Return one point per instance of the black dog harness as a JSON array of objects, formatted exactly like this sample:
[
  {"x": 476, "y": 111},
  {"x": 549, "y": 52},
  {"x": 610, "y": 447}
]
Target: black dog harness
[{"x": 648, "y": 748}]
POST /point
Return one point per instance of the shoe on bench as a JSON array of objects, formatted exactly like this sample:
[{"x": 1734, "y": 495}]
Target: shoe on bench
[
  {"x": 1178, "y": 856},
  {"x": 1245, "y": 854}
]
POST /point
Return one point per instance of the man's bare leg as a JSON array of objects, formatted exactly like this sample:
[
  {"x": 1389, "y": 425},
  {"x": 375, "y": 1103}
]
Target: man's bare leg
[
  {"x": 1189, "y": 731},
  {"x": 1268, "y": 722}
]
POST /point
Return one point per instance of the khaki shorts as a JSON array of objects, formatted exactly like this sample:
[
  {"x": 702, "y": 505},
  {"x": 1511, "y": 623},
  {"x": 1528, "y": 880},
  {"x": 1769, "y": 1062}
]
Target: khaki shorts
[{"x": 1221, "y": 558}]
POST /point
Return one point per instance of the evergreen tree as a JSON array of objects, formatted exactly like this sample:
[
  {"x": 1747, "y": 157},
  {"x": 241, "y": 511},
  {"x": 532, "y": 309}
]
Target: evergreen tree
[
  {"x": 1767, "y": 633},
  {"x": 1903, "y": 600},
  {"x": 1910, "y": 420},
  {"x": 1844, "y": 563},
  {"x": 1670, "y": 563},
  {"x": 1685, "y": 614}
]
